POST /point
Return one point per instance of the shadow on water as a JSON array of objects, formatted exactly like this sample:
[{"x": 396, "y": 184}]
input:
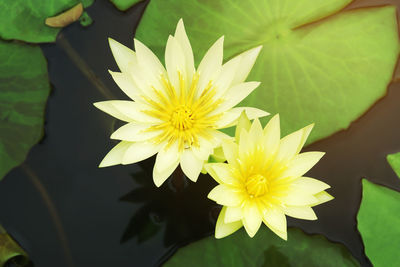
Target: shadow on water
[{"x": 150, "y": 223}]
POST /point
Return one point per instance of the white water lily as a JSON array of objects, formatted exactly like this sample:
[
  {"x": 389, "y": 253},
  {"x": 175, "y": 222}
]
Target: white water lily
[
  {"x": 176, "y": 111},
  {"x": 263, "y": 179}
]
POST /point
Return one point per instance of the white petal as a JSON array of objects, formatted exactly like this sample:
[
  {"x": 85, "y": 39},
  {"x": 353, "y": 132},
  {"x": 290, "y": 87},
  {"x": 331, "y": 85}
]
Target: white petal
[
  {"x": 272, "y": 133},
  {"x": 256, "y": 131},
  {"x": 139, "y": 151},
  {"x": 126, "y": 84},
  {"x": 223, "y": 229},
  {"x": 246, "y": 64},
  {"x": 181, "y": 37},
  {"x": 175, "y": 62},
  {"x": 225, "y": 195},
  {"x": 252, "y": 218},
  {"x": 300, "y": 212},
  {"x": 159, "y": 177},
  {"x": 134, "y": 132},
  {"x": 204, "y": 149},
  {"x": 109, "y": 108},
  {"x": 302, "y": 163},
  {"x": 231, "y": 152},
  {"x": 288, "y": 146},
  {"x": 276, "y": 221},
  {"x": 191, "y": 165},
  {"x": 322, "y": 197},
  {"x": 115, "y": 155},
  {"x": 235, "y": 95},
  {"x": 211, "y": 64},
  {"x": 122, "y": 55},
  {"x": 135, "y": 111},
  {"x": 310, "y": 185},
  {"x": 168, "y": 155},
  {"x": 233, "y": 214},
  {"x": 230, "y": 117},
  {"x": 226, "y": 76}
]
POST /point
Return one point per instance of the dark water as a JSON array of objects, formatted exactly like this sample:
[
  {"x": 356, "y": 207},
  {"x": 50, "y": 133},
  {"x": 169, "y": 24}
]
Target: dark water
[{"x": 67, "y": 212}]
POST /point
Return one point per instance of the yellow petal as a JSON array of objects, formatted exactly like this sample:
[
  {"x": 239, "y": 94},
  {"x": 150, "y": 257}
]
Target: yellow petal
[
  {"x": 223, "y": 229},
  {"x": 236, "y": 94},
  {"x": 256, "y": 132},
  {"x": 322, "y": 197},
  {"x": 245, "y": 143},
  {"x": 135, "y": 111},
  {"x": 252, "y": 218},
  {"x": 191, "y": 165},
  {"x": 159, "y": 177},
  {"x": 231, "y": 117},
  {"x": 115, "y": 155},
  {"x": 223, "y": 173},
  {"x": 183, "y": 40},
  {"x": 139, "y": 151},
  {"x": 230, "y": 152},
  {"x": 168, "y": 155},
  {"x": 225, "y": 196},
  {"x": 226, "y": 76},
  {"x": 300, "y": 212},
  {"x": 109, "y": 108},
  {"x": 122, "y": 55},
  {"x": 275, "y": 219},
  {"x": 243, "y": 124},
  {"x": 306, "y": 132},
  {"x": 297, "y": 197},
  {"x": 233, "y": 214},
  {"x": 302, "y": 163},
  {"x": 246, "y": 64},
  {"x": 310, "y": 185},
  {"x": 288, "y": 146}
]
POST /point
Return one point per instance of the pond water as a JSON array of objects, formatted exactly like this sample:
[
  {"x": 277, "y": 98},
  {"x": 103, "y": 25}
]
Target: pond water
[{"x": 67, "y": 212}]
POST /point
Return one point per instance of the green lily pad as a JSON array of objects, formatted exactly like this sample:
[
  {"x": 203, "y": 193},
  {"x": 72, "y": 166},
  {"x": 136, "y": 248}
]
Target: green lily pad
[
  {"x": 394, "y": 161},
  {"x": 329, "y": 72},
  {"x": 25, "y": 19},
  {"x": 379, "y": 224},
  {"x": 124, "y": 4},
  {"x": 24, "y": 88},
  {"x": 10, "y": 251},
  {"x": 265, "y": 249}
]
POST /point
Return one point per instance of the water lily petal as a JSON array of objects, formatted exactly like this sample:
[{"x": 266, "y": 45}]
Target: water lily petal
[
  {"x": 310, "y": 185},
  {"x": 225, "y": 195},
  {"x": 233, "y": 214},
  {"x": 181, "y": 37},
  {"x": 115, "y": 155},
  {"x": 139, "y": 151},
  {"x": 272, "y": 135},
  {"x": 223, "y": 229},
  {"x": 109, "y": 108},
  {"x": 122, "y": 54},
  {"x": 191, "y": 165},
  {"x": 306, "y": 132},
  {"x": 135, "y": 111},
  {"x": 300, "y": 212},
  {"x": 175, "y": 63},
  {"x": 288, "y": 146},
  {"x": 126, "y": 84},
  {"x": 275, "y": 219},
  {"x": 235, "y": 95},
  {"x": 226, "y": 76},
  {"x": 256, "y": 132},
  {"x": 211, "y": 64},
  {"x": 322, "y": 198},
  {"x": 159, "y": 177},
  {"x": 302, "y": 163},
  {"x": 134, "y": 132},
  {"x": 223, "y": 173},
  {"x": 296, "y": 197},
  {"x": 231, "y": 152},
  {"x": 252, "y": 218},
  {"x": 246, "y": 64},
  {"x": 167, "y": 156}
]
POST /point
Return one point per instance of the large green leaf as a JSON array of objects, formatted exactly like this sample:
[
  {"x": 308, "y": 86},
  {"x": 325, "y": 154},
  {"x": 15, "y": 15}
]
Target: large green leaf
[
  {"x": 24, "y": 88},
  {"x": 394, "y": 161},
  {"x": 265, "y": 249},
  {"x": 124, "y": 4},
  {"x": 10, "y": 251},
  {"x": 24, "y": 19},
  {"x": 379, "y": 224},
  {"x": 328, "y": 72}
]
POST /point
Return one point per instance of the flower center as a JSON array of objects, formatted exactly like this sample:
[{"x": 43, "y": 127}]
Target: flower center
[
  {"x": 182, "y": 118},
  {"x": 257, "y": 185}
]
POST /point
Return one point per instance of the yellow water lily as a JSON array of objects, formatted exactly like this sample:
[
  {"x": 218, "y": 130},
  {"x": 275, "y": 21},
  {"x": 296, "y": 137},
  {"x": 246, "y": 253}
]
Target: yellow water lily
[
  {"x": 177, "y": 110},
  {"x": 263, "y": 180}
]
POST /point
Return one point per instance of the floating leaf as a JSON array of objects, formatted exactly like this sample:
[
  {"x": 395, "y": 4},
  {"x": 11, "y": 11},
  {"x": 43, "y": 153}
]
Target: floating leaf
[
  {"x": 328, "y": 72},
  {"x": 66, "y": 17},
  {"x": 394, "y": 161},
  {"x": 265, "y": 249},
  {"x": 10, "y": 251},
  {"x": 124, "y": 4},
  {"x": 379, "y": 224},
  {"x": 25, "y": 19},
  {"x": 24, "y": 88}
]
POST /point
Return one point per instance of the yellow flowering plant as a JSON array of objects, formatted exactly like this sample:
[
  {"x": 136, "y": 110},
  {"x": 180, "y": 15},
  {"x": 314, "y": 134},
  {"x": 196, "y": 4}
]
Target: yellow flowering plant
[
  {"x": 176, "y": 112},
  {"x": 263, "y": 179}
]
